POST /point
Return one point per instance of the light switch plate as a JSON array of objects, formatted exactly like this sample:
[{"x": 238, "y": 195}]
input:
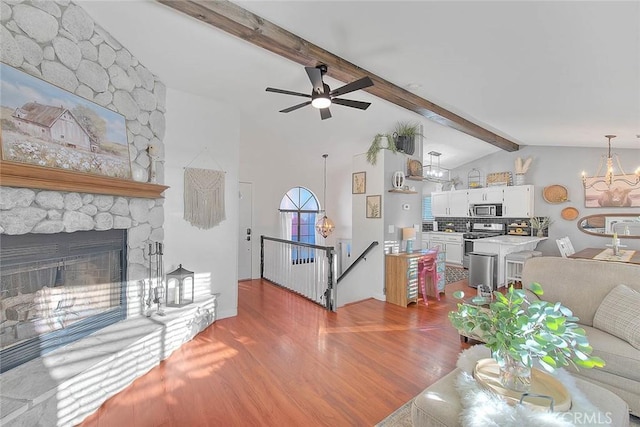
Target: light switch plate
[{"x": 391, "y": 229}]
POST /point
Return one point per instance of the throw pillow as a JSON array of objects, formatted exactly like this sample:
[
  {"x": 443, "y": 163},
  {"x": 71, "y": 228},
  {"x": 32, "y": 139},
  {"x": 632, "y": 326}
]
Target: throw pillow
[{"x": 618, "y": 314}]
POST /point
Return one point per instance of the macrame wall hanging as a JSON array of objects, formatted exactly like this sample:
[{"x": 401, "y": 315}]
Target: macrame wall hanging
[{"x": 204, "y": 197}]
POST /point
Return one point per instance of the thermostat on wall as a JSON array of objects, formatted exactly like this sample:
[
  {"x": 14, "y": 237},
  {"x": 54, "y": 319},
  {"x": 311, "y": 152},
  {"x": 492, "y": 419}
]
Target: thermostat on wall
[{"x": 406, "y": 207}]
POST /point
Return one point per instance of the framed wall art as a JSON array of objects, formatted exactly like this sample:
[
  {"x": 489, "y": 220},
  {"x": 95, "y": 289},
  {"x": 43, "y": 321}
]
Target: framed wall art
[
  {"x": 359, "y": 183},
  {"x": 374, "y": 206},
  {"x": 622, "y": 193},
  {"x": 46, "y": 126}
]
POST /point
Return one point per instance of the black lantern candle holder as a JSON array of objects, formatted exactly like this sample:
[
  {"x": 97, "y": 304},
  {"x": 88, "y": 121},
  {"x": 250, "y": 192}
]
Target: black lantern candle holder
[{"x": 180, "y": 287}]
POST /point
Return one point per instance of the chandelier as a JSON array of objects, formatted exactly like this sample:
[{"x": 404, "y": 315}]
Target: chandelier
[
  {"x": 608, "y": 178},
  {"x": 433, "y": 172},
  {"x": 325, "y": 226}
]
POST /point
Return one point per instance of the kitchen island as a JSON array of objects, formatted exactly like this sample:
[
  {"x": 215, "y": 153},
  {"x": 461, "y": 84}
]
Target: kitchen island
[{"x": 504, "y": 245}]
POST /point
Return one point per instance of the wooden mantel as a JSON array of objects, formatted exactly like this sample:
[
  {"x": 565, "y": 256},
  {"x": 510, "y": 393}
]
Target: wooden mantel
[{"x": 30, "y": 176}]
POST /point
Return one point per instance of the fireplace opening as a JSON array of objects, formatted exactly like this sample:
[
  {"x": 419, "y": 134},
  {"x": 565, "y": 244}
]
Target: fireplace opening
[{"x": 58, "y": 288}]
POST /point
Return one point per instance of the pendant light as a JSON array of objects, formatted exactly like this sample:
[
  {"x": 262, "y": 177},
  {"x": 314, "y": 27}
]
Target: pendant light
[
  {"x": 608, "y": 178},
  {"x": 325, "y": 226}
]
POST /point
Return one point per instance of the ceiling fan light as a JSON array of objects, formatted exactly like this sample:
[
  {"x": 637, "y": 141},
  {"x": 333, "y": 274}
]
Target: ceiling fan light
[{"x": 321, "y": 101}]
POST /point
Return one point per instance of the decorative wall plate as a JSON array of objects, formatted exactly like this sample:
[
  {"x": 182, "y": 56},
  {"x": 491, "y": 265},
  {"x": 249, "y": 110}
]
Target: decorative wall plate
[
  {"x": 555, "y": 194},
  {"x": 569, "y": 213},
  {"x": 414, "y": 167}
]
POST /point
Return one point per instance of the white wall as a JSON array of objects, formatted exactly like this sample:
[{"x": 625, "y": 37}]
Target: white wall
[
  {"x": 560, "y": 165},
  {"x": 194, "y": 123},
  {"x": 274, "y": 163}
]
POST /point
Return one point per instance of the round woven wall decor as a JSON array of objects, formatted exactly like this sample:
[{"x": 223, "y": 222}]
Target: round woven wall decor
[{"x": 555, "y": 194}]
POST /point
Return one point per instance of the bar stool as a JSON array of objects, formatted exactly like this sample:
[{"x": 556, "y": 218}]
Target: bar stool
[
  {"x": 514, "y": 262},
  {"x": 427, "y": 264}
]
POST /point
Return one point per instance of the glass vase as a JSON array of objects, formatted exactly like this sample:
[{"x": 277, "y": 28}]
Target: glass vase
[{"x": 514, "y": 375}]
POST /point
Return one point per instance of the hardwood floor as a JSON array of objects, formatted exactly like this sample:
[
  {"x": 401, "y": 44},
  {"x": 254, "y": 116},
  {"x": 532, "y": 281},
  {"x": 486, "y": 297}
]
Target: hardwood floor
[{"x": 284, "y": 361}]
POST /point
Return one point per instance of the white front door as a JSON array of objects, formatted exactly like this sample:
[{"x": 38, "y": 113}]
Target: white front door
[{"x": 245, "y": 232}]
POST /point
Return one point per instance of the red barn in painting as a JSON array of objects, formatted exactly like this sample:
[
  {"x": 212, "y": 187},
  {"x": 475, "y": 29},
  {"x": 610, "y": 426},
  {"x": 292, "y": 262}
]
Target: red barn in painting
[{"x": 54, "y": 123}]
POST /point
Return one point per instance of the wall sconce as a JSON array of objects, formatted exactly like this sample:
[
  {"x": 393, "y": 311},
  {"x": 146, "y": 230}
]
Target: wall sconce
[{"x": 609, "y": 177}]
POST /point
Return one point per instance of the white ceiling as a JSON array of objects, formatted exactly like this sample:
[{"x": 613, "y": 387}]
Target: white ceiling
[{"x": 537, "y": 72}]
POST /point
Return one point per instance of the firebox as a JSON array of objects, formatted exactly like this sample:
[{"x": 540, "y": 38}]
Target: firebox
[{"x": 58, "y": 288}]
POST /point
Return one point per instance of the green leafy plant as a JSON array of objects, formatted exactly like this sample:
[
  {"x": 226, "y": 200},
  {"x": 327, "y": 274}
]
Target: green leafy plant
[
  {"x": 407, "y": 129},
  {"x": 401, "y": 129},
  {"x": 540, "y": 223},
  {"x": 513, "y": 326},
  {"x": 376, "y": 146}
]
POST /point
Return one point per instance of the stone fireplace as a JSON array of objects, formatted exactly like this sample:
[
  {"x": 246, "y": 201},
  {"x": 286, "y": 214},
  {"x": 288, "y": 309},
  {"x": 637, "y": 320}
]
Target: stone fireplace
[
  {"x": 57, "y": 288},
  {"x": 60, "y": 43}
]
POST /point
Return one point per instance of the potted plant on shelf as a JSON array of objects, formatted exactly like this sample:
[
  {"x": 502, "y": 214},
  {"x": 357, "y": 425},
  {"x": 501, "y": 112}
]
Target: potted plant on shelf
[
  {"x": 376, "y": 146},
  {"x": 518, "y": 331},
  {"x": 404, "y": 134},
  {"x": 540, "y": 224},
  {"x": 400, "y": 139}
]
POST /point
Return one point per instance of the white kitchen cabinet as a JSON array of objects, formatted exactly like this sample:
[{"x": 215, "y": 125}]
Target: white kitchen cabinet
[
  {"x": 518, "y": 201},
  {"x": 451, "y": 243},
  {"x": 480, "y": 196},
  {"x": 440, "y": 204},
  {"x": 458, "y": 203},
  {"x": 450, "y": 203}
]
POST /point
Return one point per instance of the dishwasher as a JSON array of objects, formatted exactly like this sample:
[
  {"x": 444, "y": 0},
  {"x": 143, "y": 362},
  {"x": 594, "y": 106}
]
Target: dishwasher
[{"x": 483, "y": 269}]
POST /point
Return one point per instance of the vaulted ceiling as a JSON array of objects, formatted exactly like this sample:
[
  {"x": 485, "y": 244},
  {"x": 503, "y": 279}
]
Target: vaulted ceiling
[{"x": 536, "y": 73}]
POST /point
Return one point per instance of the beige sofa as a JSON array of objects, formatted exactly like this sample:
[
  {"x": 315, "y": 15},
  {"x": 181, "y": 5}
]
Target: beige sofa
[{"x": 582, "y": 285}]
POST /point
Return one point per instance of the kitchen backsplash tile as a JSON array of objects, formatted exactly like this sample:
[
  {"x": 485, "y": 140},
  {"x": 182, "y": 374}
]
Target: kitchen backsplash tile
[{"x": 463, "y": 224}]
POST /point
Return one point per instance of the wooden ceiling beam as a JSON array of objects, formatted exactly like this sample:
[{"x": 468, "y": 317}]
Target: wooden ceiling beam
[{"x": 250, "y": 27}]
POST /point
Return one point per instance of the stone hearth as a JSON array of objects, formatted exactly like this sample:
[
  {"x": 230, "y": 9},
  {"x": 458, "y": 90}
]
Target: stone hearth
[{"x": 72, "y": 382}]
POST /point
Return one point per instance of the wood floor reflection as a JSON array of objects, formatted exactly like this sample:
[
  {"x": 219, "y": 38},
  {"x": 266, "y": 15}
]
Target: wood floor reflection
[{"x": 284, "y": 361}]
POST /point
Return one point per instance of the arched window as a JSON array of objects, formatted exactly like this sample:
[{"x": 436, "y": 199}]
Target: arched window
[
  {"x": 303, "y": 207},
  {"x": 298, "y": 209}
]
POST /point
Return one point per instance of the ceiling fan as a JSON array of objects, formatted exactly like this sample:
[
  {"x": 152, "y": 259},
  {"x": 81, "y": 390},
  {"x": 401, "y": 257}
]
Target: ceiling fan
[{"x": 322, "y": 96}]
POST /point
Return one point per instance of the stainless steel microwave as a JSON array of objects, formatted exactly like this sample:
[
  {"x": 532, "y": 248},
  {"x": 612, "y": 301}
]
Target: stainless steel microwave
[{"x": 486, "y": 210}]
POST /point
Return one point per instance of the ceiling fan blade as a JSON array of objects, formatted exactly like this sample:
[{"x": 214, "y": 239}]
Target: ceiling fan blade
[
  {"x": 350, "y": 87},
  {"x": 287, "y": 92},
  {"x": 295, "y": 107},
  {"x": 325, "y": 113},
  {"x": 315, "y": 75},
  {"x": 351, "y": 103}
]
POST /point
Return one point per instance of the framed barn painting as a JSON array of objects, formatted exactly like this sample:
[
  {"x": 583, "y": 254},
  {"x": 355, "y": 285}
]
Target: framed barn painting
[{"x": 46, "y": 126}]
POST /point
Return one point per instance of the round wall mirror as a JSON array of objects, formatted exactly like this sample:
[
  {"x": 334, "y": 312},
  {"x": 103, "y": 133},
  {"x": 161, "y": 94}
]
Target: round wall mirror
[{"x": 626, "y": 225}]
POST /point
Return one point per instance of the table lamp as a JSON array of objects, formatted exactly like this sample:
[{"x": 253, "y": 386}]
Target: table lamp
[{"x": 409, "y": 234}]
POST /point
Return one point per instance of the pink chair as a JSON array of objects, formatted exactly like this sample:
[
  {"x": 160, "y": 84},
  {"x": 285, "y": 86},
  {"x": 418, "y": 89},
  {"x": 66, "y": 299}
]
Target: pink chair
[{"x": 427, "y": 266}]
